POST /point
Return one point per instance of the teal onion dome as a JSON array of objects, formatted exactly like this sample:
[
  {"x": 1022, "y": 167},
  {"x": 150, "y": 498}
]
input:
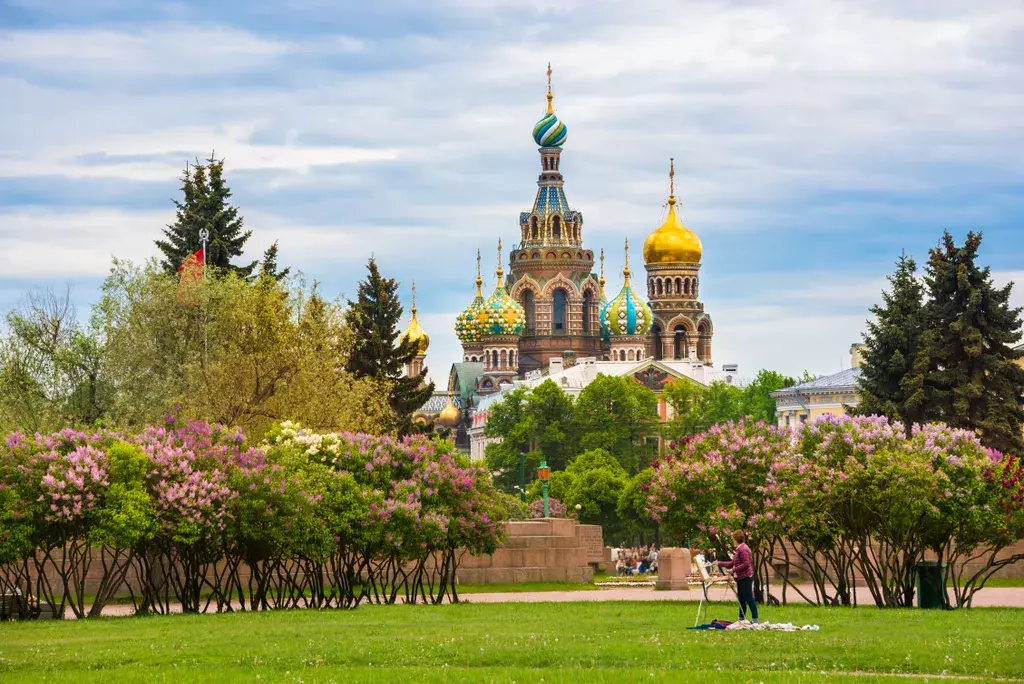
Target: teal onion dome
[
  {"x": 550, "y": 131},
  {"x": 627, "y": 313}
]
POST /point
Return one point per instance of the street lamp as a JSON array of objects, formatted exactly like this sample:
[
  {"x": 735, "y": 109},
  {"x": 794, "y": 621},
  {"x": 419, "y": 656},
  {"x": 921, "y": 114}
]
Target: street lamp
[
  {"x": 204, "y": 235},
  {"x": 544, "y": 474}
]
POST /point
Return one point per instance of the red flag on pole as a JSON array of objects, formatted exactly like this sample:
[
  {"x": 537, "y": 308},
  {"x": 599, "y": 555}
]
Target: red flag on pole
[{"x": 191, "y": 269}]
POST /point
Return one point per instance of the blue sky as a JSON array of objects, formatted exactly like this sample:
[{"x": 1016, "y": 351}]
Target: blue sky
[{"x": 813, "y": 141}]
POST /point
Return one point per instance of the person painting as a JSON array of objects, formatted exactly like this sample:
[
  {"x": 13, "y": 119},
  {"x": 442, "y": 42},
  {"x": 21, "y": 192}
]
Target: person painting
[{"x": 742, "y": 566}]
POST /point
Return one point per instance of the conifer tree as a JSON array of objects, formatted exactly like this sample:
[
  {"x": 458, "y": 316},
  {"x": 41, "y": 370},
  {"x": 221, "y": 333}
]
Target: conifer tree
[
  {"x": 890, "y": 384},
  {"x": 379, "y": 352},
  {"x": 269, "y": 264},
  {"x": 205, "y": 205},
  {"x": 972, "y": 380}
]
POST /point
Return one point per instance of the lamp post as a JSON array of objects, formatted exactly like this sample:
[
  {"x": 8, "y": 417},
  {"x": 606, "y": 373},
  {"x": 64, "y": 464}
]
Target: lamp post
[
  {"x": 522, "y": 476},
  {"x": 544, "y": 474},
  {"x": 204, "y": 235}
]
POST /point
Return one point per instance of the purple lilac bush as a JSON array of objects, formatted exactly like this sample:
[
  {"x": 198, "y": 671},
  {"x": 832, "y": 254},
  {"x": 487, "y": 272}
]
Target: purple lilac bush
[{"x": 206, "y": 520}]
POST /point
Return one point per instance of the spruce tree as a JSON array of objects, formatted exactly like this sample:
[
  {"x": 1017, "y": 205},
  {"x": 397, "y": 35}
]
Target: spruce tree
[
  {"x": 972, "y": 380},
  {"x": 890, "y": 384},
  {"x": 379, "y": 352},
  {"x": 205, "y": 205},
  {"x": 269, "y": 264}
]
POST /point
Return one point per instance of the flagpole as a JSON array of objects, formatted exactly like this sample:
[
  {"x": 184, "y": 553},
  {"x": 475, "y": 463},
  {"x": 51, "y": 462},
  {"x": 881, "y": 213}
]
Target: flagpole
[{"x": 204, "y": 235}]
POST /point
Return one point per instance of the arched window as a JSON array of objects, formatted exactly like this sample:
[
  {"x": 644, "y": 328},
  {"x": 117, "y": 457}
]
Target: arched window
[
  {"x": 686, "y": 286},
  {"x": 529, "y": 308},
  {"x": 504, "y": 359},
  {"x": 650, "y": 287},
  {"x": 680, "y": 342},
  {"x": 679, "y": 286},
  {"x": 533, "y": 227},
  {"x": 558, "y": 321},
  {"x": 494, "y": 359},
  {"x": 659, "y": 286},
  {"x": 631, "y": 357},
  {"x": 658, "y": 350},
  {"x": 556, "y": 228},
  {"x": 588, "y": 306}
]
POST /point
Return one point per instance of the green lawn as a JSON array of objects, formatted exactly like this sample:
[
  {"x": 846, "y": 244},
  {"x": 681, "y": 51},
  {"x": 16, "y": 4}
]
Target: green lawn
[{"x": 571, "y": 642}]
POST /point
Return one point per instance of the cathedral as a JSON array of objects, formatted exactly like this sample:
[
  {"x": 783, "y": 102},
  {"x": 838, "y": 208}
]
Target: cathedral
[{"x": 550, "y": 307}]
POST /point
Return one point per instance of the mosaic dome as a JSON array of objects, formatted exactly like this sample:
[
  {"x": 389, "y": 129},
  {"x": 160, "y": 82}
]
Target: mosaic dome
[
  {"x": 505, "y": 317},
  {"x": 627, "y": 314}
]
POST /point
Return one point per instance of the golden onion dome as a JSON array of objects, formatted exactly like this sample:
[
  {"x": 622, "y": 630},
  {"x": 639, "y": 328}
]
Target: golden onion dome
[
  {"x": 672, "y": 242},
  {"x": 414, "y": 332},
  {"x": 450, "y": 415}
]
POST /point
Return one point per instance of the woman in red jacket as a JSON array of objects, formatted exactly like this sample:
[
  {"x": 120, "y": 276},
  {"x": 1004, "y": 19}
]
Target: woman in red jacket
[{"x": 742, "y": 567}]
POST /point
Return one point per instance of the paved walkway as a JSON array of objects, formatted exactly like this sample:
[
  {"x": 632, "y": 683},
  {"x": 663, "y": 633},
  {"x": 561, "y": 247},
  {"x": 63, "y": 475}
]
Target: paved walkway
[{"x": 1008, "y": 597}]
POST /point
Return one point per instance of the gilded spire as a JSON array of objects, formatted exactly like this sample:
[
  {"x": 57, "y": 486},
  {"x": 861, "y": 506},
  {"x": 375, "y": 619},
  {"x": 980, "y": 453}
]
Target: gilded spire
[
  {"x": 500, "y": 272},
  {"x": 414, "y": 299},
  {"x": 415, "y": 332},
  {"x": 479, "y": 278},
  {"x": 625, "y": 268},
  {"x": 671, "y": 180},
  {"x": 551, "y": 97},
  {"x": 601, "y": 280}
]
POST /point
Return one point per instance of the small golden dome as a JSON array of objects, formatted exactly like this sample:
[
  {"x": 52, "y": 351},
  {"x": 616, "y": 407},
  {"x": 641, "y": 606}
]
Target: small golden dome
[
  {"x": 450, "y": 415},
  {"x": 672, "y": 242},
  {"x": 414, "y": 332}
]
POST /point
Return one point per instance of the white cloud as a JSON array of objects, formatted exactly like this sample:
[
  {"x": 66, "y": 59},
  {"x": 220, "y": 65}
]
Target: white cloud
[{"x": 167, "y": 50}]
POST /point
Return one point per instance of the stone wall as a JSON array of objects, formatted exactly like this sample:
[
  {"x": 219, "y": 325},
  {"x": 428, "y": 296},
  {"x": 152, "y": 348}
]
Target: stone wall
[{"x": 550, "y": 550}]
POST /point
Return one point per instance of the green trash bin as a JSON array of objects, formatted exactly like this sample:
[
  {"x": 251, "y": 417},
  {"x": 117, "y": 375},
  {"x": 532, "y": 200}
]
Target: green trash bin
[{"x": 931, "y": 592}]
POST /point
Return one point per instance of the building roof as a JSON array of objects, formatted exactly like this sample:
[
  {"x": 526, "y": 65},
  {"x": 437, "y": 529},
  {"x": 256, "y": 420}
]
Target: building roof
[
  {"x": 466, "y": 375},
  {"x": 578, "y": 376},
  {"x": 844, "y": 379},
  {"x": 437, "y": 401}
]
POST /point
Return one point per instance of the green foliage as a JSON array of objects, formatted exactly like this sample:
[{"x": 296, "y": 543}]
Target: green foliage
[
  {"x": 889, "y": 384},
  {"x": 617, "y": 414},
  {"x": 696, "y": 407},
  {"x": 634, "y": 518},
  {"x": 204, "y": 204},
  {"x": 269, "y": 265},
  {"x": 52, "y": 367},
  {"x": 379, "y": 353},
  {"x": 971, "y": 376},
  {"x": 230, "y": 350}
]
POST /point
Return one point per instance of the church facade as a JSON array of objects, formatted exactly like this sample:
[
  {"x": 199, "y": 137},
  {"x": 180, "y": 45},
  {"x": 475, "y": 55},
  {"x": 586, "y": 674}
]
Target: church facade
[{"x": 550, "y": 305}]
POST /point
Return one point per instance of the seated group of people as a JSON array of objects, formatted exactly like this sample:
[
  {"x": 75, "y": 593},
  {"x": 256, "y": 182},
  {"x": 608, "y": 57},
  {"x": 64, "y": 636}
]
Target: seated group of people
[{"x": 640, "y": 560}]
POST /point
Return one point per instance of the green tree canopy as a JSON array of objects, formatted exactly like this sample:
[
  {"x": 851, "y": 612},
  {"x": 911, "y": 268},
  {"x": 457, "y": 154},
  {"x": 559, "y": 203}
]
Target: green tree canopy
[
  {"x": 379, "y": 352},
  {"x": 889, "y": 384},
  {"x": 967, "y": 357},
  {"x": 618, "y": 414},
  {"x": 205, "y": 204}
]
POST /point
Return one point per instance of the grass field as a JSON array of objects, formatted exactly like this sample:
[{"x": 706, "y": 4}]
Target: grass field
[{"x": 545, "y": 642}]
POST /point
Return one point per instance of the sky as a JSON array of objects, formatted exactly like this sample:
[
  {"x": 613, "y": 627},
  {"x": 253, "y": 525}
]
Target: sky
[{"x": 814, "y": 141}]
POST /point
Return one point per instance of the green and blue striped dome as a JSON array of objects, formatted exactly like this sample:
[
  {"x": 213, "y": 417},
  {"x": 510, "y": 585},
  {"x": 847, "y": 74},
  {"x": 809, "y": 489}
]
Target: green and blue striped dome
[
  {"x": 627, "y": 314},
  {"x": 550, "y": 131}
]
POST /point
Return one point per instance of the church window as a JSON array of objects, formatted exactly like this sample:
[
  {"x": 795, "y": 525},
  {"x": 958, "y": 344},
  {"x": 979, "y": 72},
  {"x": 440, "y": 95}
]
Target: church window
[
  {"x": 679, "y": 286},
  {"x": 686, "y": 286},
  {"x": 529, "y": 309},
  {"x": 631, "y": 358},
  {"x": 658, "y": 350},
  {"x": 680, "y": 342},
  {"x": 504, "y": 359},
  {"x": 588, "y": 306},
  {"x": 556, "y": 228},
  {"x": 659, "y": 286},
  {"x": 494, "y": 359},
  {"x": 533, "y": 227},
  {"x": 558, "y": 321}
]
